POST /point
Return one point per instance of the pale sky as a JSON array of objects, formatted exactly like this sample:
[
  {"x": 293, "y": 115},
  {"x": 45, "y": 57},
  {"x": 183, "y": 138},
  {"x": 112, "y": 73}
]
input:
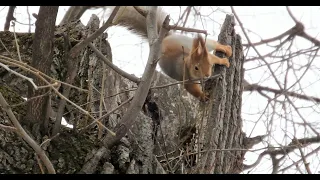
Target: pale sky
[{"x": 265, "y": 22}]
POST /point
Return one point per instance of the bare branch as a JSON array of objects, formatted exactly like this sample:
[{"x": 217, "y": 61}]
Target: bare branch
[
  {"x": 75, "y": 50},
  {"x": 28, "y": 68},
  {"x": 26, "y": 137},
  {"x": 20, "y": 75},
  {"x": 36, "y": 73},
  {"x": 9, "y": 128},
  {"x": 255, "y": 49},
  {"x": 295, "y": 163},
  {"x": 141, "y": 11},
  {"x": 9, "y": 18},
  {"x": 279, "y": 37},
  {"x": 74, "y": 13},
  {"x": 106, "y": 115},
  {"x": 144, "y": 86},
  {"x": 114, "y": 67},
  {"x": 273, "y": 152},
  {"x": 173, "y": 27},
  {"x": 256, "y": 87},
  {"x": 303, "y": 156},
  {"x": 300, "y": 26},
  {"x": 291, "y": 15}
]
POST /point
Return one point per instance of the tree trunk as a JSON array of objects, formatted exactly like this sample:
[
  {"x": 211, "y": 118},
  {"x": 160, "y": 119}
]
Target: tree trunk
[
  {"x": 173, "y": 133},
  {"x": 37, "y": 113}
]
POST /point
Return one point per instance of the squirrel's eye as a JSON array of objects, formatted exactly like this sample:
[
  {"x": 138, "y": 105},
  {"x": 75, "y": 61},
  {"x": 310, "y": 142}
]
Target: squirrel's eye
[{"x": 196, "y": 68}]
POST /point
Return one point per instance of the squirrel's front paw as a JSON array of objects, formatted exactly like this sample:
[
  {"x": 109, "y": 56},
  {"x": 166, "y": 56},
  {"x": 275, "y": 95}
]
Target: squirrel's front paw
[
  {"x": 227, "y": 63},
  {"x": 204, "y": 97},
  {"x": 228, "y": 51}
]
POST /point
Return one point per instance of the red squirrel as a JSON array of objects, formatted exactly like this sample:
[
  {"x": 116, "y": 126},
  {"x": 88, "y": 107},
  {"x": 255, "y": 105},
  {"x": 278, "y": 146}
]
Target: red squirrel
[{"x": 194, "y": 56}]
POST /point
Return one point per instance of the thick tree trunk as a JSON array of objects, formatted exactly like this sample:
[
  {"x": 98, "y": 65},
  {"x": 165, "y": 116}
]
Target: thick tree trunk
[
  {"x": 221, "y": 121},
  {"x": 173, "y": 133},
  {"x": 37, "y": 108}
]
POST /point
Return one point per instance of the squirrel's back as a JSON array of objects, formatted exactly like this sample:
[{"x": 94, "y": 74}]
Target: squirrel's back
[{"x": 171, "y": 61}]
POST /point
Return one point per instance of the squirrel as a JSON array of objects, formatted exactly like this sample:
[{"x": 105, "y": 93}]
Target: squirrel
[{"x": 193, "y": 61}]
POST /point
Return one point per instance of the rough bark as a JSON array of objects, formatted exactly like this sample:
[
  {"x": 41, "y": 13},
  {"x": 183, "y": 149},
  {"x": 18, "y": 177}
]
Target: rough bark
[
  {"x": 220, "y": 125},
  {"x": 42, "y": 57},
  {"x": 163, "y": 136}
]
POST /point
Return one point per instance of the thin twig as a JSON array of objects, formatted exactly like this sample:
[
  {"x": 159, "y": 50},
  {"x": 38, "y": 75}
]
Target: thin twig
[
  {"x": 112, "y": 66},
  {"x": 255, "y": 87},
  {"x": 26, "y": 137},
  {"x": 74, "y": 51},
  {"x": 9, "y": 128},
  {"x": 29, "y": 19},
  {"x": 45, "y": 142},
  {"x": 58, "y": 93},
  {"x": 105, "y": 115},
  {"x": 16, "y": 40},
  {"x": 30, "y": 99},
  {"x": 20, "y": 75},
  {"x": 39, "y": 163},
  {"x": 28, "y": 68},
  {"x": 303, "y": 156},
  {"x": 255, "y": 49},
  {"x": 173, "y": 27}
]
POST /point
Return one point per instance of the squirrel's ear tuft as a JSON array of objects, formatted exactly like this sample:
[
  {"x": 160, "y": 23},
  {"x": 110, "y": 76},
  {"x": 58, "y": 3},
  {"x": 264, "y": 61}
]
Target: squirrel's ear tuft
[
  {"x": 202, "y": 43},
  {"x": 199, "y": 49}
]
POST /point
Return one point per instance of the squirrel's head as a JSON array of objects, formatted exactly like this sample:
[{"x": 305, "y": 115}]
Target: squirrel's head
[{"x": 200, "y": 65}]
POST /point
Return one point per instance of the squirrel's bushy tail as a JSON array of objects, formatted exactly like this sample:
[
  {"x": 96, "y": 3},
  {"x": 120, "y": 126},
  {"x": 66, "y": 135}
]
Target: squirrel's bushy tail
[{"x": 131, "y": 19}]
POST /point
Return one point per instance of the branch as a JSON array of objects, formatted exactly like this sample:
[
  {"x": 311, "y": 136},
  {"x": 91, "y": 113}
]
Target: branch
[
  {"x": 302, "y": 32},
  {"x": 105, "y": 115},
  {"x": 73, "y": 13},
  {"x": 20, "y": 75},
  {"x": 75, "y": 50},
  {"x": 36, "y": 73},
  {"x": 173, "y": 27},
  {"x": 295, "y": 163},
  {"x": 255, "y": 87},
  {"x": 9, "y": 128},
  {"x": 141, "y": 11},
  {"x": 284, "y": 150},
  {"x": 255, "y": 49},
  {"x": 72, "y": 67},
  {"x": 28, "y": 68},
  {"x": 303, "y": 156},
  {"x": 144, "y": 86},
  {"x": 112, "y": 66},
  {"x": 9, "y": 18},
  {"x": 264, "y": 41},
  {"x": 291, "y": 15},
  {"x": 20, "y": 131}
]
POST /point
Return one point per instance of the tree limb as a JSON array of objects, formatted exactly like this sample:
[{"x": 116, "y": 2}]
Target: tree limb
[
  {"x": 20, "y": 131},
  {"x": 285, "y": 150},
  {"x": 256, "y": 87},
  {"x": 75, "y": 50},
  {"x": 9, "y": 18},
  {"x": 73, "y": 13},
  {"x": 140, "y": 95}
]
